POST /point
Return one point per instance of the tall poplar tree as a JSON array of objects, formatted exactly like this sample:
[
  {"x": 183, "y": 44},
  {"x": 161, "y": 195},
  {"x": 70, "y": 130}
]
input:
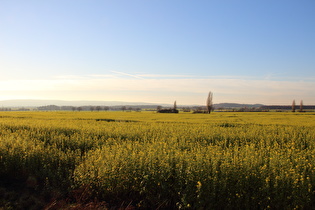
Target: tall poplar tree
[
  {"x": 293, "y": 106},
  {"x": 209, "y": 103}
]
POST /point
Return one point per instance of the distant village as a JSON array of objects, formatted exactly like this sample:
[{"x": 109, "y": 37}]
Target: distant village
[{"x": 224, "y": 107}]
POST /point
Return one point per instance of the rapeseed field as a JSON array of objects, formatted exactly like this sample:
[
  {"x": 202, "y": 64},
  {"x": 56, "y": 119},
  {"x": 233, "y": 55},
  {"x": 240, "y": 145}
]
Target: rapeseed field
[{"x": 148, "y": 160}]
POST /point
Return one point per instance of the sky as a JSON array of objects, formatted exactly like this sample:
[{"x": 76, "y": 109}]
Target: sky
[{"x": 158, "y": 51}]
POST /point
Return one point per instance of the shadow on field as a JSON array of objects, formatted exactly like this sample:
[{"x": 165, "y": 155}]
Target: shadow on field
[{"x": 113, "y": 120}]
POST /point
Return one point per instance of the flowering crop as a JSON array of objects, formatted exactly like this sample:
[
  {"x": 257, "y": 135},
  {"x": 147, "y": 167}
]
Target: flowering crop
[{"x": 222, "y": 160}]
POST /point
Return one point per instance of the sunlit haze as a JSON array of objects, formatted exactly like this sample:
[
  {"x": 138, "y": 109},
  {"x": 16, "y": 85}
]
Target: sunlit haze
[{"x": 158, "y": 51}]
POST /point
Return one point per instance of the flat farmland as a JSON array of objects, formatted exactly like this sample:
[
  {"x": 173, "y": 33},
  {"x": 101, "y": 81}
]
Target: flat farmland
[{"x": 222, "y": 160}]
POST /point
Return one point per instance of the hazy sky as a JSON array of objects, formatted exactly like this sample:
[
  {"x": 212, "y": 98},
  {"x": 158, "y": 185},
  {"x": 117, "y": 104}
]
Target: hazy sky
[{"x": 254, "y": 51}]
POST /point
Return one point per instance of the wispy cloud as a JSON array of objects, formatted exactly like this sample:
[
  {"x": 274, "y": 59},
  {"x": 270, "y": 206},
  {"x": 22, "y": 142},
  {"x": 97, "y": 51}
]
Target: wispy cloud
[
  {"x": 126, "y": 74},
  {"x": 157, "y": 76}
]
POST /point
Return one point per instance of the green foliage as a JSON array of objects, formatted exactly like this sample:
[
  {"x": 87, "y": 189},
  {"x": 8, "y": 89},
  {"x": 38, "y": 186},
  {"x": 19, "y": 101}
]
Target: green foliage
[{"x": 185, "y": 161}]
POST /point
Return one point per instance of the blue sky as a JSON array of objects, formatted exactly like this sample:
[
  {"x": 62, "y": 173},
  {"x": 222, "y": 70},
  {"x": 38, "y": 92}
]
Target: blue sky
[{"x": 158, "y": 51}]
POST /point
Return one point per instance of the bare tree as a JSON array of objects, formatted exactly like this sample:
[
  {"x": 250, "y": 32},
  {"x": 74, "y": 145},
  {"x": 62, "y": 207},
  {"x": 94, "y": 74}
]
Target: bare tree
[
  {"x": 293, "y": 106},
  {"x": 209, "y": 103},
  {"x": 301, "y": 106}
]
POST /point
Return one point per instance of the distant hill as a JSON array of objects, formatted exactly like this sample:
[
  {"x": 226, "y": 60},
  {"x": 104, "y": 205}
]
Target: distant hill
[
  {"x": 8, "y": 105},
  {"x": 37, "y": 103},
  {"x": 236, "y": 105},
  {"x": 277, "y": 107}
]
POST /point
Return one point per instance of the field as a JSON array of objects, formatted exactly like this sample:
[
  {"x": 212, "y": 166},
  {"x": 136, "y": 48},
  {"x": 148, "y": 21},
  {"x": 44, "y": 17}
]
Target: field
[{"x": 146, "y": 160}]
